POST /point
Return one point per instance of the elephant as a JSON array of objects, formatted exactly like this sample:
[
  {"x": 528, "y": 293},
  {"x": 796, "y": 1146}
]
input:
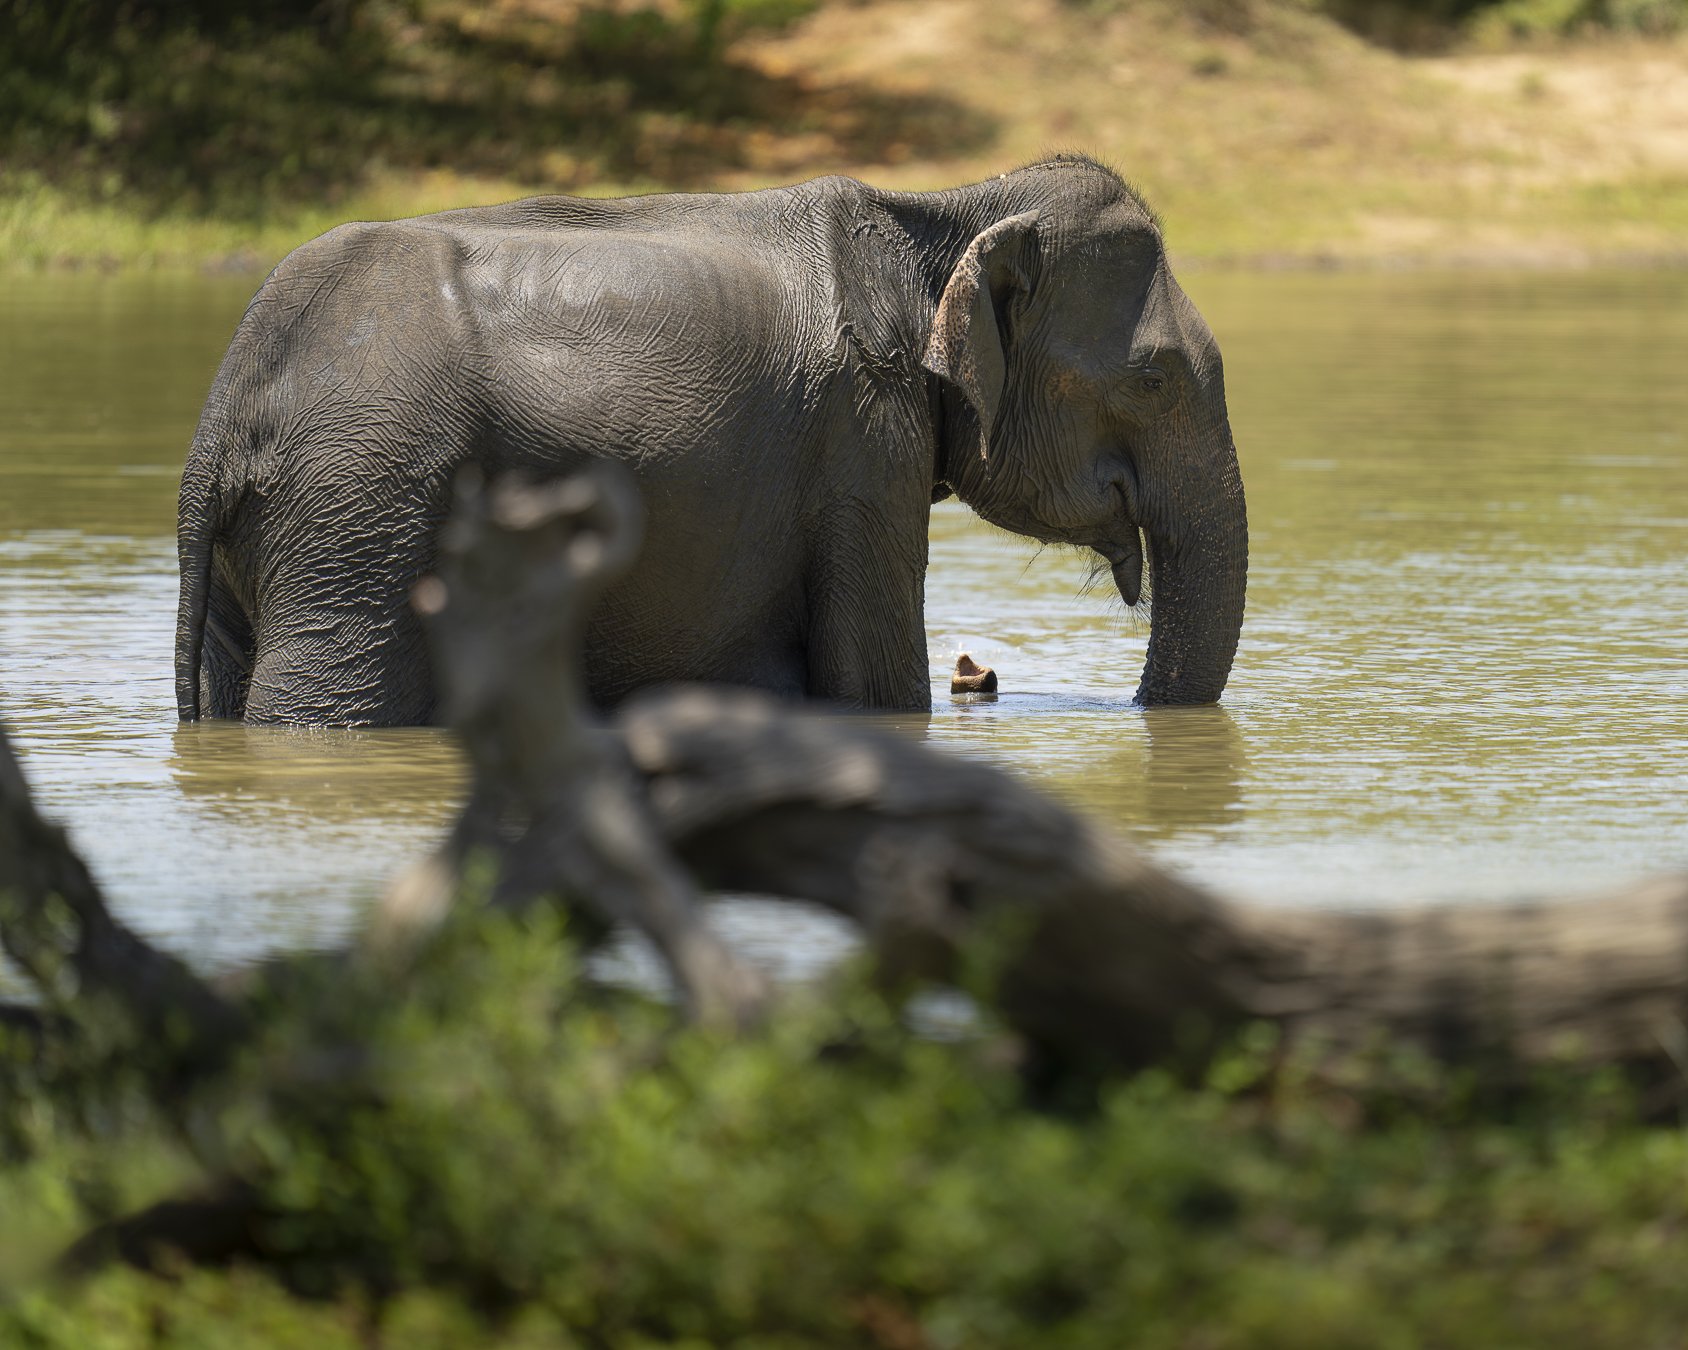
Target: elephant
[{"x": 793, "y": 375}]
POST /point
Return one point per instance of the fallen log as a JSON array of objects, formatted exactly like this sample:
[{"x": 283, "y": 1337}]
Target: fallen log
[
  {"x": 1104, "y": 956},
  {"x": 554, "y": 809},
  {"x": 1097, "y": 954}
]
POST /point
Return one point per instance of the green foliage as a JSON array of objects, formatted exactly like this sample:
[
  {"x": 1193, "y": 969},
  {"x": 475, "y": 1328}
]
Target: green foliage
[
  {"x": 523, "y": 1161},
  {"x": 1413, "y": 25},
  {"x": 223, "y": 107},
  {"x": 1535, "y": 18},
  {"x": 1419, "y": 23}
]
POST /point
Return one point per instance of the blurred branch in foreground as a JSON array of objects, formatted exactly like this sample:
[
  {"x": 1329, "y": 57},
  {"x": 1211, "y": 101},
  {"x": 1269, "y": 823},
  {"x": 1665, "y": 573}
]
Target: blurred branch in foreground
[
  {"x": 957, "y": 872},
  {"x": 1092, "y": 953}
]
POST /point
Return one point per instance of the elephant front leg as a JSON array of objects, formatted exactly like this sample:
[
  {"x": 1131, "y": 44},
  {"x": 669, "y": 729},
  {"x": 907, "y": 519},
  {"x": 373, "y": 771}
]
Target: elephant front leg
[{"x": 867, "y": 636}]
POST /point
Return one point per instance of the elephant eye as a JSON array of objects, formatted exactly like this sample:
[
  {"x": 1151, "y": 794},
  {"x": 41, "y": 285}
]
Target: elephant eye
[{"x": 1152, "y": 383}]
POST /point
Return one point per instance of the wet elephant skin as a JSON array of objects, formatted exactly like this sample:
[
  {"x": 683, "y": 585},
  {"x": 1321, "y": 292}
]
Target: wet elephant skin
[{"x": 793, "y": 376}]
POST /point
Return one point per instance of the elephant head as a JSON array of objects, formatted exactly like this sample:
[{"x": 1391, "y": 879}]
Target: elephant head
[{"x": 1084, "y": 403}]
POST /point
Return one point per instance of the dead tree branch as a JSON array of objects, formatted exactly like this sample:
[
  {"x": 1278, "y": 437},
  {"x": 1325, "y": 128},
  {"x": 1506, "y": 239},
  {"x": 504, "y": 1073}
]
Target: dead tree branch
[
  {"x": 55, "y": 925},
  {"x": 1098, "y": 955},
  {"x": 1110, "y": 958},
  {"x": 554, "y": 805}
]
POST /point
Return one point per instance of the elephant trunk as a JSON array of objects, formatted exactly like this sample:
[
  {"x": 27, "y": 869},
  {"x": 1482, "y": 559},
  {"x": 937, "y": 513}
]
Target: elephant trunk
[{"x": 1198, "y": 572}]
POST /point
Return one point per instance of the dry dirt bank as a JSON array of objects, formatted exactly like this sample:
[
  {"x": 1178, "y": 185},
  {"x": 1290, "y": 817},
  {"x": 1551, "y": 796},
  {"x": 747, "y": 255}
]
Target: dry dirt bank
[{"x": 1290, "y": 141}]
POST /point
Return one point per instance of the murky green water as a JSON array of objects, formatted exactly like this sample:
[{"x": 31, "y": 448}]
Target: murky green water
[{"x": 1465, "y": 669}]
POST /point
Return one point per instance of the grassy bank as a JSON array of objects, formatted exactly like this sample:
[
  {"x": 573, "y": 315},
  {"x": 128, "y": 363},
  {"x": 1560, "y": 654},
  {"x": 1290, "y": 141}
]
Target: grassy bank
[
  {"x": 1267, "y": 131},
  {"x": 521, "y": 1162}
]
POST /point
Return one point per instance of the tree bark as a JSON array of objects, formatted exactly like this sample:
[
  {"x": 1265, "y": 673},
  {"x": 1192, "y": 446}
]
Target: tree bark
[
  {"x": 947, "y": 864},
  {"x": 54, "y": 923},
  {"x": 1099, "y": 954},
  {"x": 554, "y": 806}
]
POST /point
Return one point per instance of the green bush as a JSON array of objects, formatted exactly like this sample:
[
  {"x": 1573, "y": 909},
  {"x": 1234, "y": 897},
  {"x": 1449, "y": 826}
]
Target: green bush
[
  {"x": 1424, "y": 22},
  {"x": 1534, "y": 18},
  {"x": 223, "y": 107},
  {"x": 1422, "y": 25},
  {"x": 522, "y": 1161}
]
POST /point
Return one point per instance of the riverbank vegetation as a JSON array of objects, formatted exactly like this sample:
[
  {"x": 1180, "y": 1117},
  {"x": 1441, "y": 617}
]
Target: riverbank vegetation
[
  {"x": 516, "y": 1159},
  {"x": 1275, "y": 131}
]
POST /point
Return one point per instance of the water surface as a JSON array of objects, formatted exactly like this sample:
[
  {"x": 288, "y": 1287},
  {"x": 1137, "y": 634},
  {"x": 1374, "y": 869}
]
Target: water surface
[{"x": 1464, "y": 672}]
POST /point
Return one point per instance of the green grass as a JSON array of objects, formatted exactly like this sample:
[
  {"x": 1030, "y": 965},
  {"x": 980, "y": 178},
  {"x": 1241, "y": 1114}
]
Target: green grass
[
  {"x": 534, "y": 1164},
  {"x": 1648, "y": 202},
  {"x": 134, "y": 135},
  {"x": 48, "y": 227}
]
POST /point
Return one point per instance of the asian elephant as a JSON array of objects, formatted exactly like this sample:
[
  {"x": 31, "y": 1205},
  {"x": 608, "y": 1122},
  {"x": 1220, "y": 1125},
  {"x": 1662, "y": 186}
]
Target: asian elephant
[{"x": 793, "y": 375}]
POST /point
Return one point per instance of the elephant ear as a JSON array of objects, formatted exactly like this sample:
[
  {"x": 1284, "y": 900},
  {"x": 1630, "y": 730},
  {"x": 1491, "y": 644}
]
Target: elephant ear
[{"x": 967, "y": 346}]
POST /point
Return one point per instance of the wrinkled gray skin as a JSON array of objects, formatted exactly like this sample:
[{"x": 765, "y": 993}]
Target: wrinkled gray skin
[{"x": 793, "y": 375}]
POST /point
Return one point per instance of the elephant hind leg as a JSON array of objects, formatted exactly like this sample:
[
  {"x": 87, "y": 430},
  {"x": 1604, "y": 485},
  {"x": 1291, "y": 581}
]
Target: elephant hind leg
[
  {"x": 227, "y": 652},
  {"x": 343, "y": 670}
]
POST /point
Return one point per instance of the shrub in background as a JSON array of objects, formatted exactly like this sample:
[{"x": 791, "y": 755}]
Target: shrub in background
[{"x": 222, "y": 106}]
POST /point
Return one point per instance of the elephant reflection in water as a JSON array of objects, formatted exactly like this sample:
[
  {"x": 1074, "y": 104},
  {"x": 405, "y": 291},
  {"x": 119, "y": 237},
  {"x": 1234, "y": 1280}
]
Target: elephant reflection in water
[
  {"x": 1185, "y": 772},
  {"x": 391, "y": 778},
  {"x": 1197, "y": 761}
]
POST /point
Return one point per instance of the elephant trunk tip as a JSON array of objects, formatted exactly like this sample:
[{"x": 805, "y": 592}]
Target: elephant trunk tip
[
  {"x": 972, "y": 678},
  {"x": 1197, "y": 617}
]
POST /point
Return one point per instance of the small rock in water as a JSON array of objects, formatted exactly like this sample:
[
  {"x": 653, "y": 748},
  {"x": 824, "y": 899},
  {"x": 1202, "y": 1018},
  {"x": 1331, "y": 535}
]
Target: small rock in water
[{"x": 972, "y": 678}]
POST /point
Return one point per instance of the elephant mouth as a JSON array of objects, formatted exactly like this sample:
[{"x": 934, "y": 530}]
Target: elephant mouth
[
  {"x": 1125, "y": 561},
  {"x": 1119, "y": 542},
  {"x": 1122, "y": 544}
]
